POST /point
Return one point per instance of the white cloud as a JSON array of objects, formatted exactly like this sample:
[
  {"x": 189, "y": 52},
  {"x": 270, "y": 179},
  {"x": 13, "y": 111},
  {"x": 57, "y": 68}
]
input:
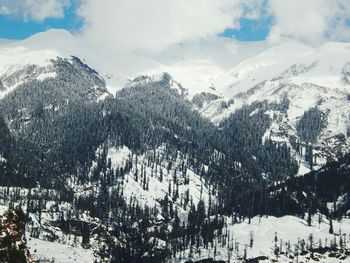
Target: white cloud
[
  {"x": 172, "y": 33},
  {"x": 311, "y": 21},
  {"x": 254, "y": 9},
  {"x": 155, "y": 24},
  {"x": 37, "y": 10}
]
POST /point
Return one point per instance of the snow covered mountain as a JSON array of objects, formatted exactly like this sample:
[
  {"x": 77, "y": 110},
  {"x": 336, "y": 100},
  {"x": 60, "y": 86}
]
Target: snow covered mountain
[
  {"x": 262, "y": 67},
  {"x": 193, "y": 64},
  {"x": 176, "y": 156},
  {"x": 32, "y": 58},
  {"x": 305, "y": 77}
]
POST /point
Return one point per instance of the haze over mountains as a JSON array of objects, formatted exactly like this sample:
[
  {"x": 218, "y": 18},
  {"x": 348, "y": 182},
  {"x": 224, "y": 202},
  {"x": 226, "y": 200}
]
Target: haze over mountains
[
  {"x": 203, "y": 59},
  {"x": 198, "y": 65}
]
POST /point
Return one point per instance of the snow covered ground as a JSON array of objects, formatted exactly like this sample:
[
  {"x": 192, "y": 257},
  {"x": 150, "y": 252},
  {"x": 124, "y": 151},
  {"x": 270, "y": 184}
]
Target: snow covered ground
[
  {"x": 3, "y": 209},
  {"x": 60, "y": 253},
  {"x": 243, "y": 239},
  {"x": 159, "y": 180},
  {"x": 289, "y": 233}
]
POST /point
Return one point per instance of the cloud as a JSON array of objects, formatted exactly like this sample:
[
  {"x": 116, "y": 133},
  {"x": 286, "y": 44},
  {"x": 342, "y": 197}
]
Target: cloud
[
  {"x": 312, "y": 21},
  {"x": 155, "y": 24},
  {"x": 37, "y": 10},
  {"x": 254, "y": 9}
]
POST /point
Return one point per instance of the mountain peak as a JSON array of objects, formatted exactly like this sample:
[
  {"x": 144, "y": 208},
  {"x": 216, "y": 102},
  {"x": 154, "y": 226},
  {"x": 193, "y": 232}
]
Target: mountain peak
[
  {"x": 51, "y": 33},
  {"x": 334, "y": 46},
  {"x": 288, "y": 48}
]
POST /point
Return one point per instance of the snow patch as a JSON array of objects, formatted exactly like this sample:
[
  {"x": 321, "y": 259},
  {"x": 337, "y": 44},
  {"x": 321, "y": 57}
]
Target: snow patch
[
  {"x": 44, "y": 250},
  {"x": 118, "y": 156},
  {"x": 2, "y": 159},
  {"x": 46, "y": 75}
]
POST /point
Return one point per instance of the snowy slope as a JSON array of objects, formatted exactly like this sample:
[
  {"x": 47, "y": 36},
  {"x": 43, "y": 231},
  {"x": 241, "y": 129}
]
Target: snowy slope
[
  {"x": 292, "y": 235},
  {"x": 197, "y": 65},
  {"x": 194, "y": 64},
  {"x": 152, "y": 187},
  {"x": 259, "y": 68},
  {"x": 45, "y": 250},
  {"x": 2, "y": 159},
  {"x": 325, "y": 66},
  {"x": 307, "y": 77},
  {"x": 42, "y": 250},
  {"x": 31, "y": 58},
  {"x": 37, "y": 59},
  {"x": 38, "y": 50}
]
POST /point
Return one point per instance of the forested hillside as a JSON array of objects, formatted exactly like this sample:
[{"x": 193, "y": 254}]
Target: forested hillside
[{"x": 142, "y": 176}]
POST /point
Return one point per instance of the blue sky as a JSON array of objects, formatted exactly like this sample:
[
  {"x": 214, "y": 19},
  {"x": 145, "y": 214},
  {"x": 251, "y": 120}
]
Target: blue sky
[
  {"x": 250, "y": 30},
  {"x": 16, "y": 28}
]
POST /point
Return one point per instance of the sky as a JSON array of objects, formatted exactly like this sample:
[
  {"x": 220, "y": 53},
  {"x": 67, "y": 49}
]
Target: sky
[
  {"x": 20, "y": 25},
  {"x": 156, "y": 24}
]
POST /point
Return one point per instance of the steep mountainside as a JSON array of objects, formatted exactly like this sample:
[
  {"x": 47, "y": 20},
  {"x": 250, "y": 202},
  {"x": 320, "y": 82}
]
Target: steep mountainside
[
  {"x": 144, "y": 154},
  {"x": 313, "y": 84}
]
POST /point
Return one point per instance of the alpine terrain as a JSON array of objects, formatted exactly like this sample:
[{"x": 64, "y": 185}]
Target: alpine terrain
[{"x": 185, "y": 161}]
